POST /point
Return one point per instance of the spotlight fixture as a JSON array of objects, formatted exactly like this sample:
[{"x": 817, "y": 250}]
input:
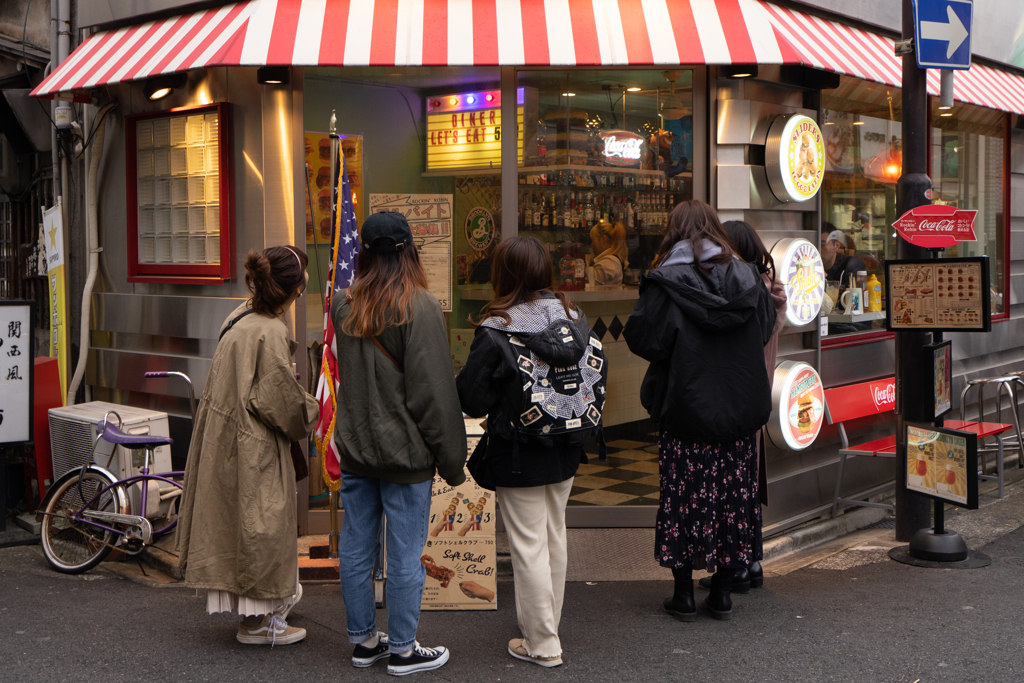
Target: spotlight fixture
[
  {"x": 946, "y": 113},
  {"x": 738, "y": 71},
  {"x": 858, "y": 123},
  {"x": 633, "y": 89},
  {"x": 160, "y": 87},
  {"x": 568, "y": 94},
  {"x": 272, "y": 75}
]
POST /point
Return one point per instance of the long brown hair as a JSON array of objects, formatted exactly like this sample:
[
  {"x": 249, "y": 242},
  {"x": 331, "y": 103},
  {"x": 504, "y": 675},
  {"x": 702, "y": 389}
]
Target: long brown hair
[
  {"x": 748, "y": 246},
  {"x": 616, "y": 236},
  {"x": 383, "y": 291},
  {"x": 520, "y": 270},
  {"x": 272, "y": 275},
  {"x": 695, "y": 221}
]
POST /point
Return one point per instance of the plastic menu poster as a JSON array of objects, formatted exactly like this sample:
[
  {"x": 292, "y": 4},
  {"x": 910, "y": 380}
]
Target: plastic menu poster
[
  {"x": 940, "y": 360},
  {"x": 318, "y": 158},
  {"x": 460, "y": 555},
  {"x": 943, "y": 463},
  {"x": 939, "y": 294}
]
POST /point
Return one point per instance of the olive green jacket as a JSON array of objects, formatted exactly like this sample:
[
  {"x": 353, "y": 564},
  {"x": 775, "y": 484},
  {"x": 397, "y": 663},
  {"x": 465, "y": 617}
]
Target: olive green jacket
[
  {"x": 237, "y": 523},
  {"x": 399, "y": 424}
]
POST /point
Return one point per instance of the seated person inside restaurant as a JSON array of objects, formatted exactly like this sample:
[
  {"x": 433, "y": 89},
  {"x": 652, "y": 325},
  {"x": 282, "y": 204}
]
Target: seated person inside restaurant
[
  {"x": 839, "y": 265},
  {"x": 608, "y": 243}
]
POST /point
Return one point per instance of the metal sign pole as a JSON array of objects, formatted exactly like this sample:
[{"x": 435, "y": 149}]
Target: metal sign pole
[{"x": 913, "y": 189}]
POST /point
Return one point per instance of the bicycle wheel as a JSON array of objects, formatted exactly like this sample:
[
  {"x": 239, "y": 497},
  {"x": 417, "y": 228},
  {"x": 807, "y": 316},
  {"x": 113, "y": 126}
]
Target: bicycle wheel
[{"x": 75, "y": 547}]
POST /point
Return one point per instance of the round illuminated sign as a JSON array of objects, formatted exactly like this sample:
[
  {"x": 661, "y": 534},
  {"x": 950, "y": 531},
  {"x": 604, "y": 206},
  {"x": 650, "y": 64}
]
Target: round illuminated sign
[
  {"x": 798, "y": 406},
  {"x": 794, "y": 158},
  {"x": 480, "y": 228},
  {"x": 798, "y": 266}
]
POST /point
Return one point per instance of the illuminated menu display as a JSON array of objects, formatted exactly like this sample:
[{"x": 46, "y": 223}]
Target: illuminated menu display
[
  {"x": 464, "y": 130},
  {"x": 942, "y": 463}
]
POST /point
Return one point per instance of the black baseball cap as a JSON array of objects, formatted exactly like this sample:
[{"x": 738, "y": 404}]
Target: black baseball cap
[{"x": 386, "y": 232}]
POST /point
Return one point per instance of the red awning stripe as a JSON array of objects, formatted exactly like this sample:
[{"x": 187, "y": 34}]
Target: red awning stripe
[{"x": 502, "y": 32}]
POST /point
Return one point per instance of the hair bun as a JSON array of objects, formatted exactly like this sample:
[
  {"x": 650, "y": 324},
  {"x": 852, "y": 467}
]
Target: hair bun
[{"x": 257, "y": 266}]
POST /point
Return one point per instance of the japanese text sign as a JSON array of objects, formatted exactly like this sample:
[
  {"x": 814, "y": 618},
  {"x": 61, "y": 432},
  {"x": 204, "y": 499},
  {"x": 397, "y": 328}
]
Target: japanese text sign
[{"x": 15, "y": 371}]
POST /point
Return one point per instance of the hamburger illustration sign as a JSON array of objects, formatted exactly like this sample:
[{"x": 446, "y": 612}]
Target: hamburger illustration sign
[
  {"x": 795, "y": 158},
  {"x": 798, "y": 406}
]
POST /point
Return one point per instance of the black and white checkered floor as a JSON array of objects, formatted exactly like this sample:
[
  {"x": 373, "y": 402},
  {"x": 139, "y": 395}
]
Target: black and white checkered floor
[{"x": 628, "y": 477}]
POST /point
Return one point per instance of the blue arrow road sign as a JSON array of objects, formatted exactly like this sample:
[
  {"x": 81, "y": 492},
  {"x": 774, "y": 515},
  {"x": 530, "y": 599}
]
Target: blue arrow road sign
[{"x": 942, "y": 33}]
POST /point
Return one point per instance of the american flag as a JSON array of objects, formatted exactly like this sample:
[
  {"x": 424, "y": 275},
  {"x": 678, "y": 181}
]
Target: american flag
[{"x": 340, "y": 272}]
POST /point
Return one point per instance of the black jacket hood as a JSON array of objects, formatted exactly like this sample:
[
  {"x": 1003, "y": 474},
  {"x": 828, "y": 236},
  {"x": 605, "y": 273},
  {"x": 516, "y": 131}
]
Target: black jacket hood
[{"x": 719, "y": 300}]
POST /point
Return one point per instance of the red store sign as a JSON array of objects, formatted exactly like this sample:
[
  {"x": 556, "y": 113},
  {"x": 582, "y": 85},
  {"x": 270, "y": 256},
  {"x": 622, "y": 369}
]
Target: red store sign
[{"x": 936, "y": 226}]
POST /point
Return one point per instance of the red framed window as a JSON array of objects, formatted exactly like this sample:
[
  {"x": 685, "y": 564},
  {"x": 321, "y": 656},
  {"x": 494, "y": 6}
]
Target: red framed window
[{"x": 180, "y": 192}]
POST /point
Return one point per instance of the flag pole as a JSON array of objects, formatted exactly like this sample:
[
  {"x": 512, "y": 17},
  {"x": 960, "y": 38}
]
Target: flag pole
[{"x": 332, "y": 542}]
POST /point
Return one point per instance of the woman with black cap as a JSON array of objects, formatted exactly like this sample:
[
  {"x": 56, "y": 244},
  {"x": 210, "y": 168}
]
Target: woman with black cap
[{"x": 398, "y": 422}]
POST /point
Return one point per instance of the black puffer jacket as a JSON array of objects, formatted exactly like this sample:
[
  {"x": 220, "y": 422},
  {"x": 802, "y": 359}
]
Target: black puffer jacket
[
  {"x": 704, "y": 336},
  {"x": 489, "y": 384}
]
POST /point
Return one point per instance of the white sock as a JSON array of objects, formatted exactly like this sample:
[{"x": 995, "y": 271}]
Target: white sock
[
  {"x": 405, "y": 655},
  {"x": 371, "y": 642}
]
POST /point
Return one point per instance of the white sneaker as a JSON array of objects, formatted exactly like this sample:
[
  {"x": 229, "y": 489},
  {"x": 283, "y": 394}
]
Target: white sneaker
[
  {"x": 285, "y": 611},
  {"x": 273, "y": 630}
]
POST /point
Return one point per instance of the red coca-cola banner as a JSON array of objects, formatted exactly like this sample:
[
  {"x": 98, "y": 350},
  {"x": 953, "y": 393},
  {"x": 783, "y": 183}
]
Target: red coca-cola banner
[
  {"x": 936, "y": 226},
  {"x": 854, "y": 401}
]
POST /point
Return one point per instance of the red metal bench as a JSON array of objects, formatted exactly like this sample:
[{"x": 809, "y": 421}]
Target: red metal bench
[
  {"x": 983, "y": 430},
  {"x": 852, "y": 402}
]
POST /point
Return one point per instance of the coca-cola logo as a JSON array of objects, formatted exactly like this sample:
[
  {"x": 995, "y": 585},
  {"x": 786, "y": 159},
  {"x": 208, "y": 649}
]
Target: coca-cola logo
[
  {"x": 883, "y": 394},
  {"x": 622, "y": 146}
]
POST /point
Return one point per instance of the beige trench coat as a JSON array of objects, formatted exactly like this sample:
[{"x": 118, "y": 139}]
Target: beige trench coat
[{"x": 237, "y": 526}]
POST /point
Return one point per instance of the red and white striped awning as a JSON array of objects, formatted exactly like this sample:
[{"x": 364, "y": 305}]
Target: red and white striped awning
[{"x": 499, "y": 32}]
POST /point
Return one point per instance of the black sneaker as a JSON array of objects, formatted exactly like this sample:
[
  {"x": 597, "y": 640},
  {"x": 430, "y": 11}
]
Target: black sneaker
[
  {"x": 363, "y": 657},
  {"x": 421, "y": 659}
]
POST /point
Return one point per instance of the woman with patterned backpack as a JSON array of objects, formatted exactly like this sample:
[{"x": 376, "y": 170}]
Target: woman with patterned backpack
[{"x": 537, "y": 372}]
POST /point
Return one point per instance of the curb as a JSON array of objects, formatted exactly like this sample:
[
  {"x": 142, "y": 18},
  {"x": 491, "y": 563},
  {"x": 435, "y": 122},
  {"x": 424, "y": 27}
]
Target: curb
[{"x": 822, "y": 532}]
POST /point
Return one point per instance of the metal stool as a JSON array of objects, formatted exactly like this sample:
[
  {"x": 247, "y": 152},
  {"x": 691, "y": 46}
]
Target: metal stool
[{"x": 1007, "y": 384}]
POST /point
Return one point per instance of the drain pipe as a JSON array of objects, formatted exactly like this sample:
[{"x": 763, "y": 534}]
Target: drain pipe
[{"x": 93, "y": 154}]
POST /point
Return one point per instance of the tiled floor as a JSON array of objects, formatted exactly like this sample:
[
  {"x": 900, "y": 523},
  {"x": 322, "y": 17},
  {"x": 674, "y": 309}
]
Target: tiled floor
[{"x": 628, "y": 477}]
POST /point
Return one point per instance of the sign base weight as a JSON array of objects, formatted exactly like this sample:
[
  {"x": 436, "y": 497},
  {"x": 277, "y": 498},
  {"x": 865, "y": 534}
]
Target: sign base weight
[{"x": 975, "y": 560}]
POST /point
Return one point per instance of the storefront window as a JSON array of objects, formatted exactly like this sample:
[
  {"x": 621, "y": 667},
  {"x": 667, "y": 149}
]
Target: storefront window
[
  {"x": 968, "y": 146},
  {"x": 863, "y": 152},
  {"x": 605, "y": 157}
]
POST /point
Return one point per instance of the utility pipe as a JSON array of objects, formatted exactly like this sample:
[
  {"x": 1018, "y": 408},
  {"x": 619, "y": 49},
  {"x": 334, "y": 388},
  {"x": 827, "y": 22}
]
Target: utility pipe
[
  {"x": 53, "y": 103},
  {"x": 93, "y": 155}
]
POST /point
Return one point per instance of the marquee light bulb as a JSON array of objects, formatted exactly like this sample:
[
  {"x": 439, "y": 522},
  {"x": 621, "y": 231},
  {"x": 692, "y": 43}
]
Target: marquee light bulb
[
  {"x": 471, "y": 100},
  {"x": 453, "y": 101},
  {"x": 490, "y": 98}
]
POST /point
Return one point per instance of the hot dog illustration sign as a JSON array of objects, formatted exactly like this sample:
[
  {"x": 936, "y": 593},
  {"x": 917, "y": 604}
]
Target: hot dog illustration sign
[
  {"x": 798, "y": 406},
  {"x": 795, "y": 158},
  {"x": 460, "y": 556},
  {"x": 803, "y": 276}
]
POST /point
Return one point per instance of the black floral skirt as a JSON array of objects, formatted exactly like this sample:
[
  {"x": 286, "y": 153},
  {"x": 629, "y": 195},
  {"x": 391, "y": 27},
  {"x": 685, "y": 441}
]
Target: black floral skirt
[{"x": 709, "y": 513}]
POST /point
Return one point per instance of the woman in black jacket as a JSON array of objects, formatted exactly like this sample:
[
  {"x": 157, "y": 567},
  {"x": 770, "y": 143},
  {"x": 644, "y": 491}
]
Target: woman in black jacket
[
  {"x": 702, "y": 321},
  {"x": 531, "y": 476}
]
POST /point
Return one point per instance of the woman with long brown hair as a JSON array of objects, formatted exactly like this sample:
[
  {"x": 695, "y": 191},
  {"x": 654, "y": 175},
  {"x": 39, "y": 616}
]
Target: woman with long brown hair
[
  {"x": 702, "y": 322},
  {"x": 237, "y": 525},
  {"x": 531, "y": 336},
  {"x": 398, "y": 422}
]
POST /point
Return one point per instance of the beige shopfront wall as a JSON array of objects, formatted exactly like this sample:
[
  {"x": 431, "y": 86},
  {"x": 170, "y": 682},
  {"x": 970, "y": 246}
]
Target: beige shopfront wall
[{"x": 621, "y": 110}]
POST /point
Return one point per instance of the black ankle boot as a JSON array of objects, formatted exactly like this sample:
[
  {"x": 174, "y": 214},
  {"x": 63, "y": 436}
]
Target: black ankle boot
[
  {"x": 756, "y": 575},
  {"x": 719, "y": 601},
  {"x": 681, "y": 604},
  {"x": 742, "y": 581}
]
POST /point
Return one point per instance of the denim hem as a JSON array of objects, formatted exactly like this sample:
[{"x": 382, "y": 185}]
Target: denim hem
[
  {"x": 398, "y": 648},
  {"x": 357, "y": 637}
]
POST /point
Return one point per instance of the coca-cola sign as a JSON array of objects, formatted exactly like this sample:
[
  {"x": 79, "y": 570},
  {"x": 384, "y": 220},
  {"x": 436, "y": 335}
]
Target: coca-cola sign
[
  {"x": 883, "y": 394},
  {"x": 936, "y": 226},
  {"x": 622, "y": 147}
]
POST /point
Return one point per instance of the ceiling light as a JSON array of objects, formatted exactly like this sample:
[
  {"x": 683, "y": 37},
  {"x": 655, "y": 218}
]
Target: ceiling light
[
  {"x": 941, "y": 108},
  {"x": 568, "y": 94},
  {"x": 159, "y": 88},
  {"x": 858, "y": 123},
  {"x": 738, "y": 70},
  {"x": 633, "y": 89},
  {"x": 946, "y": 113},
  {"x": 830, "y": 123},
  {"x": 272, "y": 75}
]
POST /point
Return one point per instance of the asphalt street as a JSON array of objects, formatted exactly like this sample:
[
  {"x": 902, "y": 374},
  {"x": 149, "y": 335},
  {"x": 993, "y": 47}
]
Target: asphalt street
[{"x": 854, "y": 616}]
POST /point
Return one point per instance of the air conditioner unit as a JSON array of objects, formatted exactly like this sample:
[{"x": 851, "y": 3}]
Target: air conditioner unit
[{"x": 74, "y": 428}]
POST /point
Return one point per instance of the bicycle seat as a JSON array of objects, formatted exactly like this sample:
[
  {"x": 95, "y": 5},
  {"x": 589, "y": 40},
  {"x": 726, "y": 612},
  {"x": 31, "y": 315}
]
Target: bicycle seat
[{"x": 114, "y": 435}]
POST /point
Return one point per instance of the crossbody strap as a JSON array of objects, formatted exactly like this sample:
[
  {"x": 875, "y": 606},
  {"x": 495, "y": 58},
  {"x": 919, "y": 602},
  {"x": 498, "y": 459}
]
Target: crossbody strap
[
  {"x": 386, "y": 354},
  {"x": 233, "y": 321}
]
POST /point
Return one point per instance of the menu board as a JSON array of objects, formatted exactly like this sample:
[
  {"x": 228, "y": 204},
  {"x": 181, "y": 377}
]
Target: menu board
[
  {"x": 460, "y": 554},
  {"x": 430, "y": 219},
  {"x": 943, "y": 463},
  {"x": 16, "y": 366},
  {"x": 940, "y": 362},
  {"x": 318, "y": 158},
  {"x": 939, "y": 294}
]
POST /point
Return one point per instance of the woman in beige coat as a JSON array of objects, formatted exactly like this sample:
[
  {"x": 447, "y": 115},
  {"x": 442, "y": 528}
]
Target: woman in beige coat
[{"x": 237, "y": 525}]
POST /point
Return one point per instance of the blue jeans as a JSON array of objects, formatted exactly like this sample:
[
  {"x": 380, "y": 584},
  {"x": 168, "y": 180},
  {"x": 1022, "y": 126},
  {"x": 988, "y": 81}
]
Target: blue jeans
[{"x": 407, "y": 507}]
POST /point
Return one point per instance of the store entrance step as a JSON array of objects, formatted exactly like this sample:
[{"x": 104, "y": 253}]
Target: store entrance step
[{"x": 324, "y": 569}]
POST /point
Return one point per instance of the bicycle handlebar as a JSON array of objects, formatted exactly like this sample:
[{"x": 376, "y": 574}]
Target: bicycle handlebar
[
  {"x": 182, "y": 375},
  {"x": 157, "y": 374}
]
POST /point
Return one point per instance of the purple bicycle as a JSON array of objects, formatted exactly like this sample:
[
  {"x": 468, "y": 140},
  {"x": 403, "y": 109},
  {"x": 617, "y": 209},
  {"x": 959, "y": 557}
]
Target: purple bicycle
[{"x": 88, "y": 512}]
